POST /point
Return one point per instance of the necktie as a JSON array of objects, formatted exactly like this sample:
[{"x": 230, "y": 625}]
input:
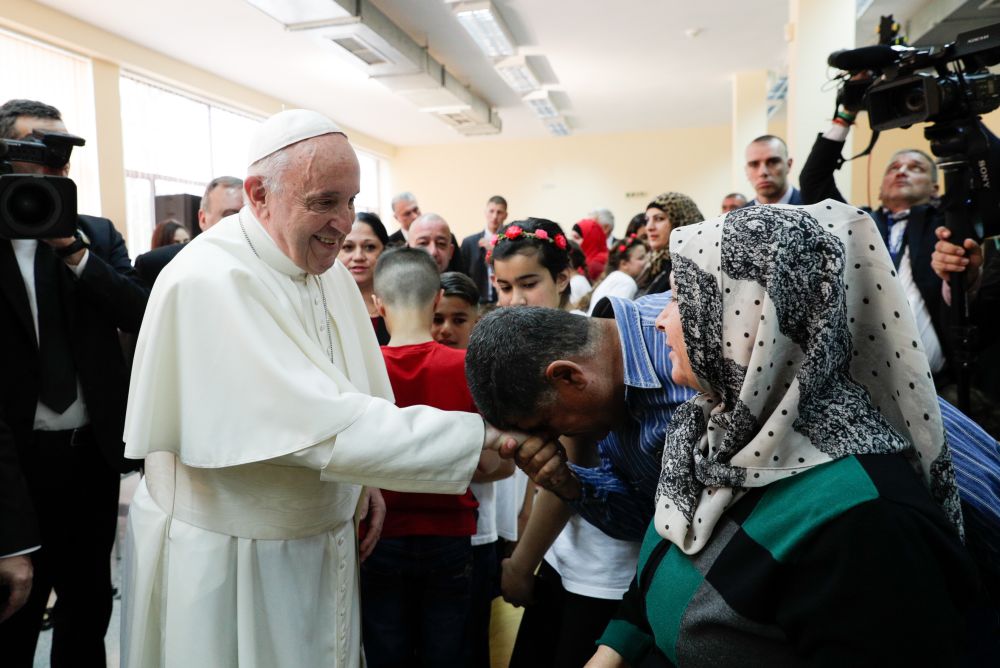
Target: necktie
[
  {"x": 897, "y": 235},
  {"x": 57, "y": 386}
]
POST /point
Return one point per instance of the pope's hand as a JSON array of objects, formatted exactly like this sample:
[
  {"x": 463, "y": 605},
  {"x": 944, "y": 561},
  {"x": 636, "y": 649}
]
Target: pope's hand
[
  {"x": 372, "y": 508},
  {"x": 15, "y": 574},
  {"x": 605, "y": 657},
  {"x": 544, "y": 461},
  {"x": 516, "y": 584}
]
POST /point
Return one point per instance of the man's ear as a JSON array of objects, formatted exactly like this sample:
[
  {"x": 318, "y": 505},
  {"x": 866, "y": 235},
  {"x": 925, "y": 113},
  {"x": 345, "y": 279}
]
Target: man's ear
[
  {"x": 437, "y": 299},
  {"x": 379, "y": 305},
  {"x": 563, "y": 374},
  {"x": 256, "y": 193},
  {"x": 789, "y": 164},
  {"x": 201, "y": 220}
]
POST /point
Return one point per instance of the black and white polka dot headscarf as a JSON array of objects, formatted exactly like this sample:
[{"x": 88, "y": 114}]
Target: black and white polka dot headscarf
[{"x": 802, "y": 339}]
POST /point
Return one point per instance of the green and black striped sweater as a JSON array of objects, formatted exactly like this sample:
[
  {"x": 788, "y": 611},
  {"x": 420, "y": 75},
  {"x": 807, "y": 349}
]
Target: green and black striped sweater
[{"x": 851, "y": 563}]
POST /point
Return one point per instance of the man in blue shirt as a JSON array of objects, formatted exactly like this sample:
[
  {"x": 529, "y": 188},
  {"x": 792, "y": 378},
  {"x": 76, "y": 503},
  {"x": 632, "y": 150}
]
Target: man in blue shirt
[{"x": 602, "y": 380}]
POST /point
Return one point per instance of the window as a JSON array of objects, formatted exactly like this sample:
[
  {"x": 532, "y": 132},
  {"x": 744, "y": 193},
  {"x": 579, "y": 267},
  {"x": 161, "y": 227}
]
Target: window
[
  {"x": 174, "y": 144},
  {"x": 65, "y": 81}
]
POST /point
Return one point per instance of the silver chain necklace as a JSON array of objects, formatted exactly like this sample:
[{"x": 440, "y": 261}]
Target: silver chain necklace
[{"x": 322, "y": 294}]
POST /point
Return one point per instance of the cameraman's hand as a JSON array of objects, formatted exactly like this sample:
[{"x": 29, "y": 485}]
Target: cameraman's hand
[
  {"x": 949, "y": 258},
  {"x": 16, "y": 573},
  {"x": 74, "y": 259}
]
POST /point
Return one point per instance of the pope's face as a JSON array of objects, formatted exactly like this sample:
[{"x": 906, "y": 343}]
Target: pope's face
[{"x": 313, "y": 208}]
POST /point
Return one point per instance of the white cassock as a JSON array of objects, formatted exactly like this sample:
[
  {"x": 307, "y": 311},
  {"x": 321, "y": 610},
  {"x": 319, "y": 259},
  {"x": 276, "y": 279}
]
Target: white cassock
[{"x": 241, "y": 548}]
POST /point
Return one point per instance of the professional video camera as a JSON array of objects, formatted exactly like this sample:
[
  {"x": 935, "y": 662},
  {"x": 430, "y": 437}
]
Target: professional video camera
[
  {"x": 36, "y": 206},
  {"x": 907, "y": 93},
  {"x": 949, "y": 87}
]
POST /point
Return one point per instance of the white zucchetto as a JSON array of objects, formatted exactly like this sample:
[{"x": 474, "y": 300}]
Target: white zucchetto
[{"x": 286, "y": 128}]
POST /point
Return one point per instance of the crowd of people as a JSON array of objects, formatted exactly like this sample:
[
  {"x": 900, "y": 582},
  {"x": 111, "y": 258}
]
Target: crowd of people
[{"x": 706, "y": 440}]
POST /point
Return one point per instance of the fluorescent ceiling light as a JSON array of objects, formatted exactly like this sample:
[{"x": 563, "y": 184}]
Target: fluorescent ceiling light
[
  {"x": 516, "y": 72},
  {"x": 541, "y": 104},
  {"x": 293, "y": 12},
  {"x": 483, "y": 23},
  {"x": 557, "y": 126}
]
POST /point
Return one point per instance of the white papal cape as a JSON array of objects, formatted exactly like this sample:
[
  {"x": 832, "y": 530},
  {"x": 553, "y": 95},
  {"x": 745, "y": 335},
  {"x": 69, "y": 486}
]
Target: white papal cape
[{"x": 241, "y": 546}]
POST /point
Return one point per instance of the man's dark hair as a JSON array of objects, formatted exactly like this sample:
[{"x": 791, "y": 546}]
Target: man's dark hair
[
  {"x": 11, "y": 110},
  {"x": 497, "y": 199},
  {"x": 220, "y": 182},
  {"x": 769, "y": 138},
  {"x": 508, "y": 353},
  {"x": 457, "y": 284}
]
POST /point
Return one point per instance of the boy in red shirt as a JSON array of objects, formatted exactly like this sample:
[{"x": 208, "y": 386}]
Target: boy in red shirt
[{"x": 416, "y": 585}]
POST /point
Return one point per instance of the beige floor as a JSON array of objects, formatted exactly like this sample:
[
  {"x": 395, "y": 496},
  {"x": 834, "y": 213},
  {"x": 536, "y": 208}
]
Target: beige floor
[{"x": 503, "y": 630}]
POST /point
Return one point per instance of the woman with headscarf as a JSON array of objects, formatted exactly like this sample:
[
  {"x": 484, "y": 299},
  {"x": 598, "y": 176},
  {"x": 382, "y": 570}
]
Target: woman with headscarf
[
  {"x": 663, "y": 215},
  {"x": 594, "y": 244},
  {"x": 807, "y": 511}
]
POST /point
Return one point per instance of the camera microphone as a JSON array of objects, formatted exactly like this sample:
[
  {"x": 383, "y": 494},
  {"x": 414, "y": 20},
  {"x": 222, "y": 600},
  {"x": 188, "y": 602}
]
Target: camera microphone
[{"x": 864, "y": 58}]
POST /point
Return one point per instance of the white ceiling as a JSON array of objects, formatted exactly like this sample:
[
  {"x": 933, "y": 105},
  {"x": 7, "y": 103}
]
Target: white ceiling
[{"x": 613, "y": 66}]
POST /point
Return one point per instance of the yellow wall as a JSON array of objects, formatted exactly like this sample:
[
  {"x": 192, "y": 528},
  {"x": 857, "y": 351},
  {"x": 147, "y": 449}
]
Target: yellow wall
[{"x": 564, "y": 178}]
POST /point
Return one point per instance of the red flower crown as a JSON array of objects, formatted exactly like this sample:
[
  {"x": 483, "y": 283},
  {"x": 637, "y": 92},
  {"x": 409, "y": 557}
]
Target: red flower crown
[
  {"x": 516, "y": 232},
  {"x": 627, "y": 242}
]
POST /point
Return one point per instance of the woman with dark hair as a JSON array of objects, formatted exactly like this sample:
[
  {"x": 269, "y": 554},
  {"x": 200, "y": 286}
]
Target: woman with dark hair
[
  {"x": 807, "y": 511},
  {"x": 169, "y": 232},
  {"x": 594, "y": 244},
  {"x": 663, "y": 215},
  {"x": 359, "y": 253},
  {"x": 637, "y": 226}
]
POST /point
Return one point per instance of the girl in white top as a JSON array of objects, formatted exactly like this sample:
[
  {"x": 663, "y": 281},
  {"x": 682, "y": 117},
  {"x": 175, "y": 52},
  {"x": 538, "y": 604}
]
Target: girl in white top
[{"x": 625, "y": 263}]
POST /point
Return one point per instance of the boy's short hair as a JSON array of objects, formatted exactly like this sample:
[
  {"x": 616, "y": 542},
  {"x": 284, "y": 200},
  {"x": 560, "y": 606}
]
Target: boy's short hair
[
  {"x": 407, "y": 278},
  {"x": 457, "y": 284}
]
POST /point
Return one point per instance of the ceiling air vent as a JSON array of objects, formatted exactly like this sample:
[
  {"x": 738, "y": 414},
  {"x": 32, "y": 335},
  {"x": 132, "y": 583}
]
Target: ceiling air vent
[{"x": 357, "y": 48}]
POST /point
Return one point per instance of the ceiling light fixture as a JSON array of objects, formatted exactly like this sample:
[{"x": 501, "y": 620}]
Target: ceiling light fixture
[
  {"x": 295, "y": 12},
  {"x": 557, "y": 126},
  {"x": 541, "y": 104},
  {"x": 517, "y": 74},
  {"x": 483, "y": 23}
]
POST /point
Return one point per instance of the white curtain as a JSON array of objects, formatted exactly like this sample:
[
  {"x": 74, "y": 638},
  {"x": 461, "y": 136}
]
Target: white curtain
[{"x": 36, "y": 71}]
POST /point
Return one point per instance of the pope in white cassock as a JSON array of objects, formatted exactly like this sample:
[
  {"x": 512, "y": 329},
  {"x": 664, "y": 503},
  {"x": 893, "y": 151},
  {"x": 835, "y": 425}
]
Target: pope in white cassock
[{"x": 260, "y": 403}]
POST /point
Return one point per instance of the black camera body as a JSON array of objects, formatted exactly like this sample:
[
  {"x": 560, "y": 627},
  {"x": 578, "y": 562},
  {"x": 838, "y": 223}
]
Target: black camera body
[
  {"x": 907, "y": 92},
  {"x": 36, "y": 206}
]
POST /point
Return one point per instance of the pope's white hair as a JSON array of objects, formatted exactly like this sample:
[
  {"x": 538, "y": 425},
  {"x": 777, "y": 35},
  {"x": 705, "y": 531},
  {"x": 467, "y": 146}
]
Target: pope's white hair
[{"x": 270, "y": 169}]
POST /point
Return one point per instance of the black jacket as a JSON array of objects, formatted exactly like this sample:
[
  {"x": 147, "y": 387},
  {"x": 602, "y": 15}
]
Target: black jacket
[
  {"x": 474, "y": 264},
  {"x": 107, "y": 297},
  {"x": 18, "y": 526},
  {"x": 149, "y": 265}
]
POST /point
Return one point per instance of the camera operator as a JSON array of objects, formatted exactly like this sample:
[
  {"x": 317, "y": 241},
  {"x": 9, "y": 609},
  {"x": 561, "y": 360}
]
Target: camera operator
[
  {"x": 62, "y": 302},
  {"x": 906, "y": 219}
]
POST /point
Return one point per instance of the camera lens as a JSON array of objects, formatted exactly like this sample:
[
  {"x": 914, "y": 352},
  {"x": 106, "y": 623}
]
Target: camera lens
[
  {"x": 30, "y": 205},
  {"x": 915, "y": 101}
]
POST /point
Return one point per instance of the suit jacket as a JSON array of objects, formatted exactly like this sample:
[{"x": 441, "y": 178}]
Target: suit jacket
[
  {"x": 18, "y": 526},
  {"x": 795, "y": 199},
  {"x": 474, "y": 264},
  {"x": 149, "y": 265},
  {"x": 396, "y": 239},
  {"x": 105, "y": 298}
]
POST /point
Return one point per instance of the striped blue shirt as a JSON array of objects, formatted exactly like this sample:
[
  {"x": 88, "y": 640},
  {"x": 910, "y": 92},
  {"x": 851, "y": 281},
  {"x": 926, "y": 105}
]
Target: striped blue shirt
[
  {"x": 976, "y": 457},
  {"x": 617, "y": 496}
]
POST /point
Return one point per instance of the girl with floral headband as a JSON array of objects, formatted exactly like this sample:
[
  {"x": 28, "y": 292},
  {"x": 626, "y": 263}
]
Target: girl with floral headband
[{"x": 582, "y": 572}]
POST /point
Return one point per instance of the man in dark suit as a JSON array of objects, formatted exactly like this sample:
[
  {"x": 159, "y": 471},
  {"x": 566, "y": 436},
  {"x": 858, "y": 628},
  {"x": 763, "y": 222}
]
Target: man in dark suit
[
  {"x": 18, "y": 529},
  {"x": 767, "y": 168},
  {"x": 405, "y": 210},
  {"x": 906, "y": 219},
  {"x": 474, "y": 249},
  {"x": 62, "y": 303},
  {"x": 223, "y": 197}
]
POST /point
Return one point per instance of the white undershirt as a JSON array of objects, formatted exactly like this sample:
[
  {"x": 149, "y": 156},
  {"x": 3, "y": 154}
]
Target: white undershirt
[
  {"x": 47, "y": 419},
  {"x": 932, "y": 346}
]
